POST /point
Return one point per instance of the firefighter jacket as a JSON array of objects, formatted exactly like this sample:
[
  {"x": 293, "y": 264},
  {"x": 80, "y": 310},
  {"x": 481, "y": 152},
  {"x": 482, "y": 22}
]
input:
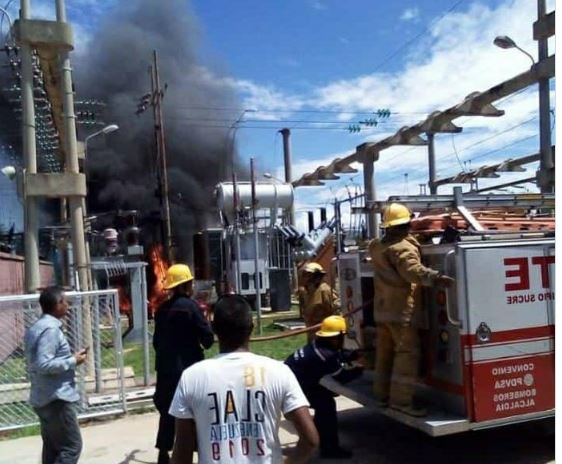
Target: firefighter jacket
[
  {"x": 180, "y": 332},
  {"x": 398, "y": 273},
  {"x": 317, "y": 303},
  {"x": 312, "y": 362}
]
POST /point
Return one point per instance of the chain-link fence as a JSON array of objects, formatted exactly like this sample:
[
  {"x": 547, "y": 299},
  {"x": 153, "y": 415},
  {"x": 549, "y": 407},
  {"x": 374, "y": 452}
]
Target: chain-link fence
[{"x": 93, "y": 321}]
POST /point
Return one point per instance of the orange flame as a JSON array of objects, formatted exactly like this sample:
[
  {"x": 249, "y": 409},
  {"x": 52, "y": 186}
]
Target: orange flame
[
  {"x": 159, "y": 266},
  {"x": 124, "y": 301}
]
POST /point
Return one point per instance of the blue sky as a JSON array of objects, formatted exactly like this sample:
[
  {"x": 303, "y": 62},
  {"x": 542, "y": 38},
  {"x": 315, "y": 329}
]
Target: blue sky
[{"x": 284, "y": 58}]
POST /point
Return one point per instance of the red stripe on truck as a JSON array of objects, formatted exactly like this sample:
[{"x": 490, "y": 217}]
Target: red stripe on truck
[{"x": 510, "y": 336}]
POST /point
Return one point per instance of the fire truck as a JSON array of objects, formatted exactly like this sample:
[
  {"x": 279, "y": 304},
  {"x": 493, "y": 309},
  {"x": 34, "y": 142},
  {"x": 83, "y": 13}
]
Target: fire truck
[{"x": 488, "y": 342}]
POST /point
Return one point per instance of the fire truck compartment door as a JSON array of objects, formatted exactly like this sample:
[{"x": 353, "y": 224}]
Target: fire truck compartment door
[{"x": 508, "y": 340}]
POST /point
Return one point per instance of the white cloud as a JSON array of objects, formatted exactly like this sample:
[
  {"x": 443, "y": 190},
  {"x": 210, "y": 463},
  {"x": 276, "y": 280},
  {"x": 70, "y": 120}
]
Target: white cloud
[
  {"x": 318, "y": 5},
  {"x": 410, "y": 14},
  {"x": 289, "y": 62},
  {"x": 456, "y": 58}
]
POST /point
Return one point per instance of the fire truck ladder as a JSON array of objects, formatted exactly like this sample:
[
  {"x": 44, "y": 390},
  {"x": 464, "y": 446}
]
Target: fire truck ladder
[{"x": 462, "y": 202}]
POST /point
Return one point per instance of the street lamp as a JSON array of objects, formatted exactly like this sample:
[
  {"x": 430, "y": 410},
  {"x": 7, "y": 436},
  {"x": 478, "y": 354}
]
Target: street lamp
[
  {"x": 9, "y": 171},
  {"x": 270, "y": 176},
  {"x": 506, "y": 42},
  {"x": 106, "y": 130}
]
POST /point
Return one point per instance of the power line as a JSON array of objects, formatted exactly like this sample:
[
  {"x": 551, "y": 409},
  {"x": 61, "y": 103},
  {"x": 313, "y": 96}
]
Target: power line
[
  {"x": 481, "y": 141},
  {"x": 223, "y": 126},
  {"x": 271, "y": 110},
  {"x": 417, "y": 36},
  {"x": 269, "y": 121},
  {"x": 505, "y": 146}
]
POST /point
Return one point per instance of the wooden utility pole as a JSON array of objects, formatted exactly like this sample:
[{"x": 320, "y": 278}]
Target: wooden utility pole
[
  {"x": 157, "y": 96},
  {"x": 154, "y": 99}
]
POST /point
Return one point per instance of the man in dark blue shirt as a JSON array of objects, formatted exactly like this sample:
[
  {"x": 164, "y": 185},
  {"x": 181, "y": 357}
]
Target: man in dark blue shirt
[
  {"x": 180, "y": 332},
  {"x": 325, "y": 356}
]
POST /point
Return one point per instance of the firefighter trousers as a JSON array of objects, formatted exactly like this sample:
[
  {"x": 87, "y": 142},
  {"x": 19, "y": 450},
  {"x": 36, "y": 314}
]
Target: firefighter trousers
[
  {"x": 325, "y": 416},
  {"x": 163, "y": 396},
  {"x": 397, "y": 363}
]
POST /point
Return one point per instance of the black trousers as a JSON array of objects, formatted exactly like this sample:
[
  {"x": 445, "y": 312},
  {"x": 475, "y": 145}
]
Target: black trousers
[
  {"x": 62, "y": 442},
  {"x": 325, "y": 416},
  {"x": 163, "y": 396}
]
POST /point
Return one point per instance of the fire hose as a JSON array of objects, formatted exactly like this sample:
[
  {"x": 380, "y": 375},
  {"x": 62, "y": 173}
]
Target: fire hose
[{"x": 314, "y": 327}]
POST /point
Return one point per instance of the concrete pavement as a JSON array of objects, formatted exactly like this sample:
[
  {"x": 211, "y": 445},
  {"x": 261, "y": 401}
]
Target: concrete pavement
[{"x": 376, "y": 440}]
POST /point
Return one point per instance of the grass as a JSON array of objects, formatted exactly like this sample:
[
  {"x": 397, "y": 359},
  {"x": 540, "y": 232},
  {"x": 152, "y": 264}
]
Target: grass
[
  {"x": 28, "y": 431},
  {"x": 133, "y": 357},
  {"x": 277, "y": 349}
]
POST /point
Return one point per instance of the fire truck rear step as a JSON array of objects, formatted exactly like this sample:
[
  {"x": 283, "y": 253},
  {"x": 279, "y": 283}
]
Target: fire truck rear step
[{"x": 436, "y": 423}]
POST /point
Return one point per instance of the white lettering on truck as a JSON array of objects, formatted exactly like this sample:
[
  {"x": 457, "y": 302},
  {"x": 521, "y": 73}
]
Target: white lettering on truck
[{"x": 513, "y": 369}]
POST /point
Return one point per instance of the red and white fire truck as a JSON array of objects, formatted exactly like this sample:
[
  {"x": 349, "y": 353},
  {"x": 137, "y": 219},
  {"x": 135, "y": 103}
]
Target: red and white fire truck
[{"x": 487, "y": 343}]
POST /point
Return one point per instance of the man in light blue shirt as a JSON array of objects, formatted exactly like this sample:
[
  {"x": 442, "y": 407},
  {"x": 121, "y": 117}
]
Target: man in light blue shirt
[{"x": 51, "y": 368}]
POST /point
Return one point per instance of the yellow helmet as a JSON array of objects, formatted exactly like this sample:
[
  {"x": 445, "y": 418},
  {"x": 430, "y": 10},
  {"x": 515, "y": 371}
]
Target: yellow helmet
[
  {"x": 313, "y": 268},
  {"x": 396, "y": 214},
  {"x": 332, "y": 326},
  {"x": 177, "y": 275}
]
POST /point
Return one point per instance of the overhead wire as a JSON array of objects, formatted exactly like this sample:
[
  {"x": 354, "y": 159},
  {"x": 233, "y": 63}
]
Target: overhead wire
[
  {"x": 273, "y": 111},
  {"x": 415, "y": 38},
  {"x": 456, "y": 152},
  {"x": 269, "y": 121},
  {"x": 486, "y": 139},
  {"x": 217, "y": 126},
  {"x": 524, "y": 139}
]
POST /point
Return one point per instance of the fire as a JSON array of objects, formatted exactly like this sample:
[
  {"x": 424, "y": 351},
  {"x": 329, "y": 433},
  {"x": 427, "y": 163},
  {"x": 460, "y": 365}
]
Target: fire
[
  {"x": 159, "y": 266},
  {"x": 124, "y": 301}
]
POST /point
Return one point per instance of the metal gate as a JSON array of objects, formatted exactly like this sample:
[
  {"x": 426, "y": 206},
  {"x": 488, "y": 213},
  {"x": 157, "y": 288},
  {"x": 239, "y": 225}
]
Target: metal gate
[{"x": 93, "y": 321}]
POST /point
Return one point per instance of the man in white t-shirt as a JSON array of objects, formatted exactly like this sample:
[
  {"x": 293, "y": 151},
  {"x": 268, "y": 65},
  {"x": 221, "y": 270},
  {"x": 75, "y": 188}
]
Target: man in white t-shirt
[{"x": 232, "y": 403}]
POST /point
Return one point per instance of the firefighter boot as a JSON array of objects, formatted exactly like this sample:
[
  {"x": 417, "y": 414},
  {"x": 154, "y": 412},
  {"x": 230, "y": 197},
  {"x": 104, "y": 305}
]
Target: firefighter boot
[
  {"x": 163, "y": 457},
  {"x": 383, "y": 364}
]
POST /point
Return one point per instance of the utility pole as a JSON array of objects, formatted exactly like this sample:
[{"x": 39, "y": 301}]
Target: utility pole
[
  {"x": 75, "y": 202},
  {"x": 545, "y": 174},
  {"x": 158, "y": 95},
  {"x": 31, "y": 228},
  {"x": 288, "y": 167},
  {"x": 368, "y": 159},
  {"x": 257, "y": 285},
  {"x": 237, "y": 226},
  {"x": 431, "y": 162},
  {"x": 154, "y": 99},
  {"x": 150, "y": 101}
]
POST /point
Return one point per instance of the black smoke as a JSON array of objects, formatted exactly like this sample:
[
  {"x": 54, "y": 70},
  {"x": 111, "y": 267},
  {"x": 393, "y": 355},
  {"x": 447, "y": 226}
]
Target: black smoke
[{"x": 114, "y": 69}]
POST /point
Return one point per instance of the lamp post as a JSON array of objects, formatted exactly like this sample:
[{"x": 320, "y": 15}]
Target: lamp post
[
  {"x": 506, "y": 42},
  {"x": 544, "y": 176},
  {"x": 234, "y": 127},
  {"x": 106, "y": 130}
]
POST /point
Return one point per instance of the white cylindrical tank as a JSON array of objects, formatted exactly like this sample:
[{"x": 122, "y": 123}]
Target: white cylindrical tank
[{"x": 267, "y": 195}]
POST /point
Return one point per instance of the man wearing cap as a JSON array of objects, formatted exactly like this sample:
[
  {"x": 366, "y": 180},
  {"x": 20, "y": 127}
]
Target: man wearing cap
[
  {"x": 398, "y": 277},
  {"x": 325, "y": 356},
  {"x": 317, "y": 299},
  {"x": 180, "y": 332}
]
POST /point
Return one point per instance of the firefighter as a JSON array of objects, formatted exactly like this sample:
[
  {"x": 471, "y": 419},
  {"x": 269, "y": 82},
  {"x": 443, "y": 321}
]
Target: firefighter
[
  {"x": 325, "y": 356},
  {"x": 316, "y": 298},
  {"x": 398, "y": 275},
  {"x": 180, "y": 330}
]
